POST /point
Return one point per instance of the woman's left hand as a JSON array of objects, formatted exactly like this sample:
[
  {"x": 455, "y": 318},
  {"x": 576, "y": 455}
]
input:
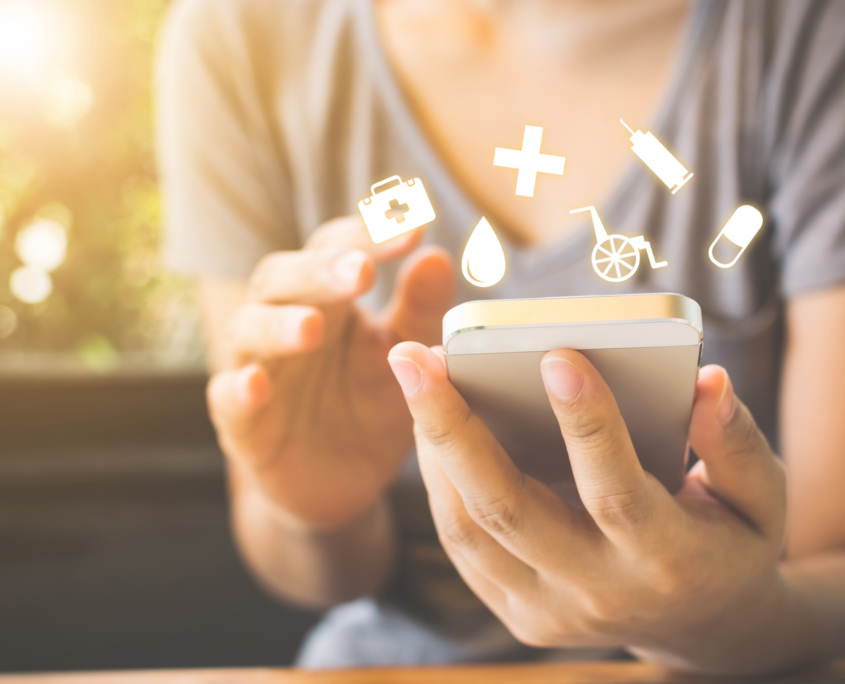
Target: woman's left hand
[{"x": 682, "y": 579}]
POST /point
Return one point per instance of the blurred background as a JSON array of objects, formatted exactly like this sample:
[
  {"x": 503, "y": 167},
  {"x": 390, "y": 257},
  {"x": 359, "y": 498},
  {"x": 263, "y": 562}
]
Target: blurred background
[{"x": 114, "y": 545}]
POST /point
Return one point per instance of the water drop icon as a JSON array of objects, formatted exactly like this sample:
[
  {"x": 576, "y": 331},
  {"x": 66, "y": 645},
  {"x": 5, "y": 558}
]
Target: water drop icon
[{"x": 483, "y": 262}]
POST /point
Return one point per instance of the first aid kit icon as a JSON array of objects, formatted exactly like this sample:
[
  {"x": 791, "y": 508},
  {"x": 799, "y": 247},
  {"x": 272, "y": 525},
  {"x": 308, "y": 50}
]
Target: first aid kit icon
[{"x": 395, "y": 208}]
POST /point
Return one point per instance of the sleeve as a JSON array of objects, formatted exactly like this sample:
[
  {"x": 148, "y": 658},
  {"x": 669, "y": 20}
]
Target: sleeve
[
  {"x": 807, "y": 208},
  {"x": 222, "y": 169}
]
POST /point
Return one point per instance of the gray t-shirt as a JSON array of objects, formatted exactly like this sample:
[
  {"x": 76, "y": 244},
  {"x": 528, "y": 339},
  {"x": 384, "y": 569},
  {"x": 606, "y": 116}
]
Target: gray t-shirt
[{"x": 276, "y": 115}]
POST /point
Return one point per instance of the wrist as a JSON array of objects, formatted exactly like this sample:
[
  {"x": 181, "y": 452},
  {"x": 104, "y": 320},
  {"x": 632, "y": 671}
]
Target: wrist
[
  {"x": 247, "y": 492},
  {"x": 320, "y": 516},
  {"x": 766, "y": 628},
  {"x": 316, "y": 568}
]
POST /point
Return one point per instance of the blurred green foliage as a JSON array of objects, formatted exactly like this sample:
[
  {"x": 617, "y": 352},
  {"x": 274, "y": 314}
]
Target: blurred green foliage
[{"x": 76, "y": 144}]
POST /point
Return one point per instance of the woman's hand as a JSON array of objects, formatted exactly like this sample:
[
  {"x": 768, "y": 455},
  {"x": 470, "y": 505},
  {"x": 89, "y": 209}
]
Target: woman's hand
[
  {"x": 685, "y": 578},
  {"x": 307, "y": 407}
]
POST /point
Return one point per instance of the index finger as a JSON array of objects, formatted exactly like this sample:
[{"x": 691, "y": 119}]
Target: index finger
[
  {"x": 518, "y": 512},
  {"x": 336, "y": 264},
  {"x": 612, "y": 484},
  {"x": 349, "y": 233}
]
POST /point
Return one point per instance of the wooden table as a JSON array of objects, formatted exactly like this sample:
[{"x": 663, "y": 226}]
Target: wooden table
[{"x": 545, "y": 673}]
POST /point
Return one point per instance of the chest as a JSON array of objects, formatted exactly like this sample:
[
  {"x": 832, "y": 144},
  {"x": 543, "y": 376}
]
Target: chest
[{"x": 472, "y": 99}]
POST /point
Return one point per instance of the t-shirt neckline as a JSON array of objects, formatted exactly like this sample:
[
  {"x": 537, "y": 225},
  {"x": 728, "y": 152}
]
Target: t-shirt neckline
[{"x": 695, "y": 34}]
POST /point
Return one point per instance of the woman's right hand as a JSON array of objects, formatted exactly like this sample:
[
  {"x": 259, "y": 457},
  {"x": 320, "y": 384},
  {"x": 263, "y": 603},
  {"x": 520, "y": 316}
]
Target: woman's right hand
[{"x": 306, "y": 406}]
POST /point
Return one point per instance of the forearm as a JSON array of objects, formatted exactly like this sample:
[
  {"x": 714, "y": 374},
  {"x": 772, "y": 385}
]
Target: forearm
[
  {"x": 796, "y": 619},
  {"x": 817, "y": 584},
  {"x": 315, "y": 569}
]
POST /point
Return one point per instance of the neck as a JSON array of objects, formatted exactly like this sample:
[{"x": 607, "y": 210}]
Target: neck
[{"x": 551, "y": 29}]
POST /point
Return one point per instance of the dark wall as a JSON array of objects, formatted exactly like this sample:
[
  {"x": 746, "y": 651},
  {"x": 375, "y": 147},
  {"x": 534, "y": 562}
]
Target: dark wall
[{"x": 115, "y": 550}]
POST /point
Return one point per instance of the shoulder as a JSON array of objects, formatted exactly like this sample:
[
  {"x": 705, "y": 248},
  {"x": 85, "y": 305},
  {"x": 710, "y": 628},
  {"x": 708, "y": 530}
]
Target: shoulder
[
  {"x": 781, "y": 64},
  {"x": 805, "y": 34},
  {"x": 783, "y": 29},
  {"x": 806, "y": 90},
  {"x": 783, "y": 17},
  {"x": 813, "y": 15},
  {"x": 198, "y": 23},
  {"x": 198, "y": 20},
  {"x": 227, "y": 31}
]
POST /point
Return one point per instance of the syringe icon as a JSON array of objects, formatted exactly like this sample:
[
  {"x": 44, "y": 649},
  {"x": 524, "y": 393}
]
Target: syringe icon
[{"x": 659, "y": 159}]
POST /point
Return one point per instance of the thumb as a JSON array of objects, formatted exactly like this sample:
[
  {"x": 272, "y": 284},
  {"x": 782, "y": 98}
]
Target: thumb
[
  {"x": 425, "y": 289},
  {"x": 739, "y": 466}
]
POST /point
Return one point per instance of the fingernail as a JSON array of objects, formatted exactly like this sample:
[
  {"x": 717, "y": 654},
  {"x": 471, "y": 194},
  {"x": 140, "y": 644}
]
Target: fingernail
[
  {"x": 347, "y": 268},
  {"x": 563, "y": 378},
  {"x": 244, "y": 384},
  {"x": 727, "y": 402},
  {"x": 290, "y": 327},
  {"x": 408, "y": 373}
]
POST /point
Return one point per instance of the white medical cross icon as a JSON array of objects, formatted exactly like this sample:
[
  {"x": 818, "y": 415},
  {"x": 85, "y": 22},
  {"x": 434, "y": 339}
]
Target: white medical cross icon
[
  {"x": 397, "y": 211},
  {"x": 529, "y": 161}
]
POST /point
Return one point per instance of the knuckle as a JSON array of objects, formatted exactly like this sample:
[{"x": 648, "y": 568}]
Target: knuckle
[
  {"x": 216, "y": 392},
  {"x": 213, "y": 392},
  {"x": 444, "y": 433},
  {"x": 585, "y": 426},
  {"x": 458, "y": 532},
  {"x": 674, "y": 578},
  {"x": 561, "y": 629},
  {"x": 628, "y": 507},
  {"x": 779, "y": 478},
  {"x": 259, "y": 282},
  {"x": 532, "y": 635},
  {"x": 777, "y": 527},
  {"x": 593, "y": 437},
  {"x": 600, "y": 611},
  {"x": 246, "y": 334},
  {"x": 604, "y": 608},
  {"x": 241, "y": 323},
  {"x": 538, "y": 625},
  {"x": 557, "y": 625},
  {"x": 498, "y": 514},
  {"x": 746, "y": 440}
]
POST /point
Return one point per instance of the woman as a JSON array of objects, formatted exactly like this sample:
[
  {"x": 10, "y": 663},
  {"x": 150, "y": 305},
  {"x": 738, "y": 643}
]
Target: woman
[{"x": 276, "y": 117}]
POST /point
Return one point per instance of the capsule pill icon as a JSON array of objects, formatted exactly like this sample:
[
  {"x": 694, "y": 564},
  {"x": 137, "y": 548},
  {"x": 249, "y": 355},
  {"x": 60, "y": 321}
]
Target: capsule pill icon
[{"x": 735, "y": 237}]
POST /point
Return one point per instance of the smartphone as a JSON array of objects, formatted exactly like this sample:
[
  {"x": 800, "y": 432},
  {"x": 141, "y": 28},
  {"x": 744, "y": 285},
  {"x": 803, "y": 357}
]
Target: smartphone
[{"x": 647, "y": 348}]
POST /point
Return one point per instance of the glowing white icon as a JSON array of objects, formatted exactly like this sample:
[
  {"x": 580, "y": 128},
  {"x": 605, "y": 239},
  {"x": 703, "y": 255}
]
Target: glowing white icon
[
  {"x": 659, "y": 159},
  {"x": 616, "y": 257},
  {"x": 529, "y": 161},
  {"x": 395, "y": 208},
  {"x": 483, "y": 262},
  {"x": 736, "y": 235}
]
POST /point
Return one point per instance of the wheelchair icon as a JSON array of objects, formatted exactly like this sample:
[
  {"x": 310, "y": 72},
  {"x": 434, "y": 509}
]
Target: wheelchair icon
[{"x": 617, "y": 257}]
